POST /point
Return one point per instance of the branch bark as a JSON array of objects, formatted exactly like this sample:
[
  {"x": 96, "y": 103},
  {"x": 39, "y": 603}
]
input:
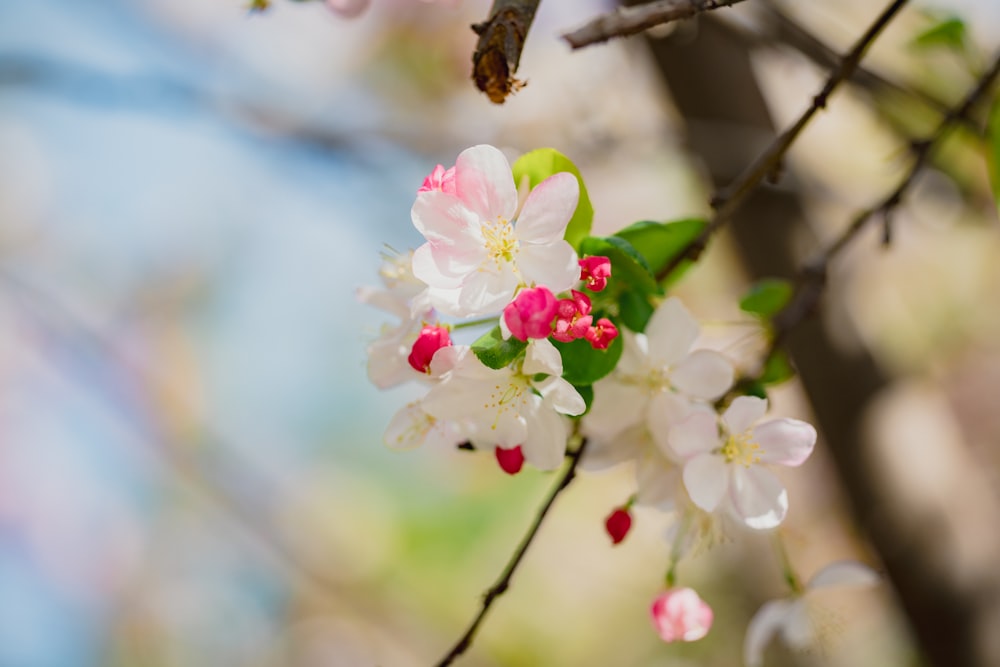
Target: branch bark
[
  {"x": 498, "y": 53},
  {"x": 626, "y": 21}
]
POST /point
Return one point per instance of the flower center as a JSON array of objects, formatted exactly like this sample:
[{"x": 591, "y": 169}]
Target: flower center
[
  {"x": 741, "y": 449},
  {"x": 508, "y": 397},
  {"x": 500, "y": 240}
]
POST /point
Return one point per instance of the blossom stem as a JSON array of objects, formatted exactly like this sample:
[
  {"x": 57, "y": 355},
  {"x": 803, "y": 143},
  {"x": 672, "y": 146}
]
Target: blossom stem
[
  {"x": 787, "y": 570},
  {"x": 474, "y": 323},
  {"x": 503, "y": 581},
  {"x": 675, "y": 550}
]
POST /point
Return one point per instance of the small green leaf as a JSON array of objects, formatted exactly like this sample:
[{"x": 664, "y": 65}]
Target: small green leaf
[
  {"x": 634, "y": 309},
  {"x": 496, "y": 352},
  {"x": 583, "y": 365},
  {"x": 949, "y": 32},
  {"x": 587, "y": 393},
  {"x": 661, "y": 242},
  {"x": 755, "y": 388},
  {"x": 628, "y": 267},
  {"x": 993, "y": 154},
  {"x": 767, "y": 297},
  {"x": 540, "y": 164},
  {"x": 777, "y": 369}
]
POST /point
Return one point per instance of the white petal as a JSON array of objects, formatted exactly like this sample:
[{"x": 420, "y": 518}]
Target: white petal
[
  {"x": 696, "y": 434},
  {"x": 670, "y": 333},
  {"x": 486, "y": 292},
  {"x": 706, "y": 480},
  {"x": 603, "y": 453},
  {"x": 616, "y": 407},
  {"x": 743, "y": 413},
  {"x": 788, "y": 442},
  {"x": 657, "y": 480},
  {"x": 541, "y": 357},
  {"x": 408, "y": 428},
  {"x": 797, "y": 629},
  {"x": 844, "y": 573},
  {"x": 763, "y": 626},
  {"x": 665, "y": 410},
  {"x": 548, "y": 209},
  {"x": 545, "y": 445},
  {"x": 703, "y": 374},
  {"x": 425, "y": 267},
  {"x": 635, "y": 354},
  {"x": 387, "y": 365},
  {"x": 485, "y": 183},
  {"x": 561, "y": 395},
  {"x": 758, "y": 497},
  {"x": 554, "y": 265}
]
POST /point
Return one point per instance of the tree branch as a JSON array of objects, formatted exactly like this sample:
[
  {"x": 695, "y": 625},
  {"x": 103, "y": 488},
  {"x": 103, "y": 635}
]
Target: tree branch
[
  {"x": 768, "y": 163},
  {"x": 626, "y": 21},
  {"x": 501, "y": 39},
  {"x": 503, "y": 581}
]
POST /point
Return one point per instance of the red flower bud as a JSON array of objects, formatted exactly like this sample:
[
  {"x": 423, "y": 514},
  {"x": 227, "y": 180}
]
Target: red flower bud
[
  {"x": 511, "y": 460},
  {"x": 618, "y": 524}
]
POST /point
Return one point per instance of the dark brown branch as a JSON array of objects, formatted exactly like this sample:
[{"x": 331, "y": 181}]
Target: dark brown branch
[
  {"x": 812, "y": 277},
  {"x": 498, "y": 53},
  {"x": 503, "y": 581},
  {"x": 626, "y": 21},
  {"x": 768, "y": 163}
]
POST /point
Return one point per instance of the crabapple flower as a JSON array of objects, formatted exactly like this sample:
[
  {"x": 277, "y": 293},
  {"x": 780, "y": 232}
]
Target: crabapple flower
[
  {"x": 574, "y": 317},
  {"x": 595, "y": 271},
  {"x": 412, "y": 426},
  {"x": 439, "y": 179},
  {"x": 508, "y": 407},
  {"x": 477, "y": 255},
  {"x": 618, "y": 523},
  {"x": 601, "y": 334},
  {"x": 430, "y": 339},
  {"x": 679, "y": 614},
  {"x": 530, "y": 314},
  {"x": 725, "y": 470},
  {"x": 657, "y": 383},
  {"x": 791, "y": 617}
]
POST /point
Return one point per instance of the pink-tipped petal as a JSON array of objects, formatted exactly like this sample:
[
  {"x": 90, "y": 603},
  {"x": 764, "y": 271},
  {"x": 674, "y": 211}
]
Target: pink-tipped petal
[
  {"x": 703, "y": 374},
  {"x": 743, "y": 413},
  {"x": 787, "y": 442},
  {"x": 548, "y": 210},
  {"x": 485, "y": 184},
  {"x": 758, "y": 498},
  {"x": 679, "y": 614}
]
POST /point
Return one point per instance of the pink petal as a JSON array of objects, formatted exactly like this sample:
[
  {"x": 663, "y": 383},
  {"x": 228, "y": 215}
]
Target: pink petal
[
  {"x": 443, "y": 217},
  {"x": 554, "y": 266},
  {"x": 443, "y": 266},
  {"x": 485, "y": 184},
  {"x": 670, "y": 333},
  {"x": 703, "y": 374},
  {"x": 548, "y": 210},
  {"x": 679, "y": 614},
  {"x": 349, "y": 9},
  {"x": 706, "y": 478},
  {"x": 758, "y": 498},
  {"x": 696, "y": 434},
  {"x": 743, "y": 413},
  {"x": 786, "y": 442}
]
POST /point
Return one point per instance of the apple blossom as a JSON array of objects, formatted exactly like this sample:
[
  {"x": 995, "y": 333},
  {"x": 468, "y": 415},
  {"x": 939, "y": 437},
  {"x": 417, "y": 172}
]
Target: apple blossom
[
  {"x": 477, "y": 255},
  {"x": 509, "y": 407},
  {"x": 595, "y": 271},
  {"x": 601, "y": 334},
  {"x": 724, "y": 470},
  {"x": 530, "y": 314},
  {"x": 573, "y": 317},
  {"x": 412, "y": 426},
  {"x": 679, "y": 614},
  {"x": 791, "y": 617}
]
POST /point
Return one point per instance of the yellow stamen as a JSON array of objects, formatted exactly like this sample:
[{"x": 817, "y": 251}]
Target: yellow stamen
[
  {"x": 741, "y": 449},
  {"x": 500, "y": 240}
]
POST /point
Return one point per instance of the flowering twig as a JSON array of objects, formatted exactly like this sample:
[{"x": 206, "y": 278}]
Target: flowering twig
[
  {"x": 503, "y": 581},
  {"x": 812, "y": 276},
  {"x": 498, "y": 52},
  {"x": 626, "y": 21},
  {"x": 768, "y": 164}
]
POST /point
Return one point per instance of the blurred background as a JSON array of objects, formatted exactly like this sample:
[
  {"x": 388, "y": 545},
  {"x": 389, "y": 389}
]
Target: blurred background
[{"x": 191, "y": 460}]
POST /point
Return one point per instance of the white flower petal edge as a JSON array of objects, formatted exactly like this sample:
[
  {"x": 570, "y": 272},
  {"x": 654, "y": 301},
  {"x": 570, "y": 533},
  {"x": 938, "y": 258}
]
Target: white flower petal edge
[
  {"x": 787, "y": 442},
  {"x": 763, "y": 626},
  {"x": 844, "y": 573},
  {"x": 670, "y": 333}
]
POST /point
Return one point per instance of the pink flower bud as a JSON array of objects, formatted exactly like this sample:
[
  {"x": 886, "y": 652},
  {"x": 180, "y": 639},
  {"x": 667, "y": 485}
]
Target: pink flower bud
[
  {"x": 601, "y": 334},
  {"x": 595, "y": 271},
  {"x": 618, "y": 524},
  {"x": 511, "y": 460},
  {"x": 431, "y": 339},
  {"x": 440, "y": 179},
  {"x": 347, "y": 8},
  {"x": 530, "y": 314},
  {"x": 573, "y": 318},
  {"x": 679, "y": 614}
]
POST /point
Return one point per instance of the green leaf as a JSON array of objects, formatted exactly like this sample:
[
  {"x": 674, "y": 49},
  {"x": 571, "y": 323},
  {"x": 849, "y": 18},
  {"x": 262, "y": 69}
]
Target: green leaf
[
  {"x": 777, "y": 369},
  {"x": 583, "y": 365},
  {"x": 587, "y": 393},
  {"x": 949, "y": 32},
  {"x": 496, "y": 352},
  {"x": 634, "y": 310},
  {"x": 767, "y": 297},
  {"x": 993, "y": 154},
  {"x": 661, "y": 242},
  {"x": 628, "y": 267},
  {"x": 755, "y": 389},
  {"x": 538, "y": 165}
]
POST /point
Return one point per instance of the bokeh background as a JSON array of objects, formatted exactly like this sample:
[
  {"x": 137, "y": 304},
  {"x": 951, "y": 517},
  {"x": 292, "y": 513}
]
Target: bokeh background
[{"x": 191, "y": 465}]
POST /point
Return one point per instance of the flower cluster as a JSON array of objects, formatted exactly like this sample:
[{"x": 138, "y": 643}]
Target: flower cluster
[{"x": 553, "y": 362}]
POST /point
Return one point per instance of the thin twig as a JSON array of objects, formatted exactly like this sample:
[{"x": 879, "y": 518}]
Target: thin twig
[
  {"x": 727, "y": 201},
  {"x": 498, "y": 53},
  {"x": 503, "y": 581},
  {"x": 811, "y": 278},
  {"x": 626, "y": 21}
]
